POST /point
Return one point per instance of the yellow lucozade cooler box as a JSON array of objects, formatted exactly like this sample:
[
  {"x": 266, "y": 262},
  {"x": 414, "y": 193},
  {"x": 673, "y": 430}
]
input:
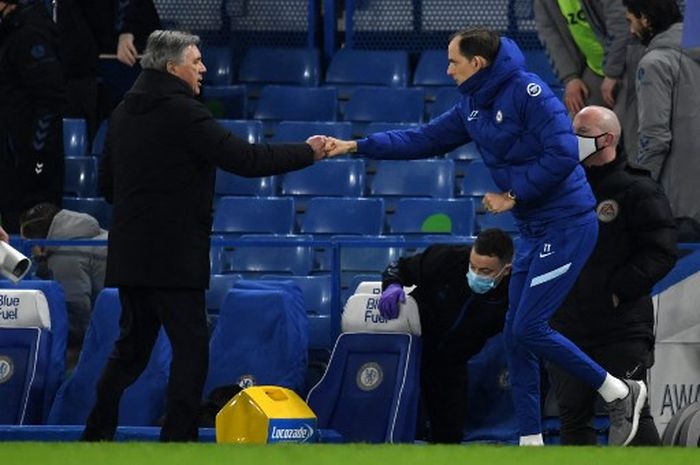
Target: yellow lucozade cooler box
[{"x": 266, "y": 414}]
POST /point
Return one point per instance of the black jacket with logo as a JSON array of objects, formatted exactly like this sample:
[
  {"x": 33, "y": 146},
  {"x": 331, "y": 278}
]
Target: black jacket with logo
[
  {"x": 636, "y": 248},
  {"x": 31, "y": 110},
  {"x": 452, "y": 316}
]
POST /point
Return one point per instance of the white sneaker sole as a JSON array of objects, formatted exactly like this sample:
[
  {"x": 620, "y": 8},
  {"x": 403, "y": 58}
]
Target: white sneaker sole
[{"x": 638, "y": 405}]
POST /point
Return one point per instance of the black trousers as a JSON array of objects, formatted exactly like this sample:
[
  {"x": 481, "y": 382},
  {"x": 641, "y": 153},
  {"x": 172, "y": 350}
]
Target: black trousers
[
  {"x": 182, "y": 313},
  {"x": 623, "y": 359},
  {"x": 444, "y": 381}
]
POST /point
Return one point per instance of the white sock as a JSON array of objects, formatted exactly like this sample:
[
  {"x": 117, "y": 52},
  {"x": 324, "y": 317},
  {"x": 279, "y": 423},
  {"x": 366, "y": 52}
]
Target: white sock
[
  {"x": 532, "y": 440},
  {"x": 613, "y": 388}
]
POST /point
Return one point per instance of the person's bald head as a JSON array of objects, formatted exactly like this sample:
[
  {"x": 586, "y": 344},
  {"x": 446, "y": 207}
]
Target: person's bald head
[
  {"x": 603, "y": 124},
  {"x": 594, "y": 120}
]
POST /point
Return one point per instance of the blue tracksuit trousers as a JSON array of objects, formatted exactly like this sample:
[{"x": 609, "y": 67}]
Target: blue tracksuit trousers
[{"x": 547, "y": 263}]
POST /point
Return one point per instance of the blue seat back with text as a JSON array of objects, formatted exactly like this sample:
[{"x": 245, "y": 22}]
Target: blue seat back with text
[{"x": 55, "y": 371}]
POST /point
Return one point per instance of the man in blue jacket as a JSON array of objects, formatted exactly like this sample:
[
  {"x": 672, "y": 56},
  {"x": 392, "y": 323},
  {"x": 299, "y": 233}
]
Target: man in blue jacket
[{"x": 525, "y": 138}]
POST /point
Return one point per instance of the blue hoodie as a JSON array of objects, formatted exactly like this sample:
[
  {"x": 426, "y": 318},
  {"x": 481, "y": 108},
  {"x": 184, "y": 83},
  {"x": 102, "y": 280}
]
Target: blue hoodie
[{"x": 522, "y": 132}]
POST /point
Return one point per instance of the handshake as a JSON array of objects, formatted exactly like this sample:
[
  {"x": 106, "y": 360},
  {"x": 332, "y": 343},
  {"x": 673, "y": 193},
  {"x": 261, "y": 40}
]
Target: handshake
[{"x": 326, "y": 147}]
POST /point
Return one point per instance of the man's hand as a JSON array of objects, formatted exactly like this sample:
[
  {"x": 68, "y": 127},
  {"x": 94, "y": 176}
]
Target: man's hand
[
  {"x": 126, "y": 51},
  {"x": 318, "y": 144},
  {"x": 3, "y": 235},
  {"x": 607, "y": 88},
  {"x": 389, "y": 301},
  {"x": 336, "y": 147},
  {"x": 575, "y": 95},
  {"x": 497, "y": 203}
]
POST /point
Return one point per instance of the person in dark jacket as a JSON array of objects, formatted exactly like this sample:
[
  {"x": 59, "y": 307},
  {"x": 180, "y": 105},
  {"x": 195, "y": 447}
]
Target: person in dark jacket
[
  {"x": 525, "y": 139},
  {"x": 88, "y": 28},
  {"x": 609, "y": 312},
  {"x": 31, "y": 110},
  {"x": 462, "y": 296},
  {"x": 158, "y": 170}
]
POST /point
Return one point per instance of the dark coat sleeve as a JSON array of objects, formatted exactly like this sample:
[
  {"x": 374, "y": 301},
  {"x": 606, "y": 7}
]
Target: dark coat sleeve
[
  {"x": 140, "y": 18},
  {"x": 654, "y": 235},
  {"x": 208, "y": 139},
  {"x": 426, "y": 268}
]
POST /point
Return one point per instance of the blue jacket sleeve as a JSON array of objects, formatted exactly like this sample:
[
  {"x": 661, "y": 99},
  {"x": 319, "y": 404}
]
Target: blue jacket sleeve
[
  {"x": 545, "y": 121},
  {"x": 442, "y": 134}
]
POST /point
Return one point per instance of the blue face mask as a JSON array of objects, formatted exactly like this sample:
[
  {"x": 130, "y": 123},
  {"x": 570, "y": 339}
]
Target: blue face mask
[
  {"x": 482, "y": 284},
  {"x": 479, "y": 283}
]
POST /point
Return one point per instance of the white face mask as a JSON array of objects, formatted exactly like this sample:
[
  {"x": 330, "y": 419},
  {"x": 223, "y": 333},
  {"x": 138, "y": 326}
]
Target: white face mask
[{"x": 588, "y": 145}]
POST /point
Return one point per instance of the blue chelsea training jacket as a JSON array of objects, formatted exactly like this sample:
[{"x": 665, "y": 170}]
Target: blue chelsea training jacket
[{"x": 522, "y": 132}]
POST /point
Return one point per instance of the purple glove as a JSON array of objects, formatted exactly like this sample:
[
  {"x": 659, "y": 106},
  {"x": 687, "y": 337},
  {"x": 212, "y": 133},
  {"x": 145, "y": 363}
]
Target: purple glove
[{"x": 389, "y": 301}]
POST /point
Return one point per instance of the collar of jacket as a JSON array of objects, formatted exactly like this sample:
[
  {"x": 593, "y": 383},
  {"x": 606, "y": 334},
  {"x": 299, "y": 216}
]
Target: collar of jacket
[
  {"x": 596, "y": 174},
  {"x": 153, "y": 87},
  {"x": 484, "y": 85},
  {"x": 160, "y": 83}
]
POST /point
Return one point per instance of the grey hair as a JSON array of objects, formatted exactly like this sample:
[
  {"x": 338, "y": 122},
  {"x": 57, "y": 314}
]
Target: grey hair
[{"x": 166, "y": 46}]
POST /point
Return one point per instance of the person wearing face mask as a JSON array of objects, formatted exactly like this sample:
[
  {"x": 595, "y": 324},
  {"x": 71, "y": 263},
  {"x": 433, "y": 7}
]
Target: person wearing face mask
[
  {"x": 668, "y": 102},
  {"x": 524, "y": 136},
  {"x": 609, "y": 312},
  {"x": 462, "y": 296}
]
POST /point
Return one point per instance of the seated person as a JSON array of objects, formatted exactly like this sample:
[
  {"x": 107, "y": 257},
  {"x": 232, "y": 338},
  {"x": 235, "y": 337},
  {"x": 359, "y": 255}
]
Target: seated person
[
  {"x": 80, "y": 270},
  {"x": 462, "y": 296}
]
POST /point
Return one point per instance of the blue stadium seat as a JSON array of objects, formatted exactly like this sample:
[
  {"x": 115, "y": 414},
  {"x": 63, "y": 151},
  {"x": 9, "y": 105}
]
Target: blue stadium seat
[
  {"x": 231, "y": 184},
  {"x": 504, "y": 221},
  {"x": 370, "y": 104},
  {"x": 98, "y": 142},
  {"x": 371, "y": 388},
  {"x": 25, "y": 357},
  {"x": 219, "y": 285},
  {"x": 75, "y": 137},
  {"x": 467, "y": 152},
  {"x": 445, "y": 99},
  {"x": 219, "y": 63},
  {"x": 365, "y": 259},
  {"x": 342, "y": 177},
  {"x": 332, "y": 215},
  {"x": 261, "y": 337},
  {"x": 97, "y": 207},
  {"x": 80, "y": 176},
  {"x": 431, "y": 69},
  {"x": 256, "y": 260},
  {"x": 368, "y": 67},
  {"x": 491, "y": 413},
  {"x": 299, "y": 131},
  {"x": 430, "y": 216},
  {"x": 477, "y": 181},
  {"x": 267, "y": 65},
  {"x": 53, "y": 371},
  {"x": 317, "y": 299},
  {"x": 248, "y": 215},
  {"x": 249, "y": 130},
  {"x": 279, "y": 103},
  {"x": 143, "y": 403},
  {"x": 226, "y": 101},
  {"x": 414, "y": 178}
]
